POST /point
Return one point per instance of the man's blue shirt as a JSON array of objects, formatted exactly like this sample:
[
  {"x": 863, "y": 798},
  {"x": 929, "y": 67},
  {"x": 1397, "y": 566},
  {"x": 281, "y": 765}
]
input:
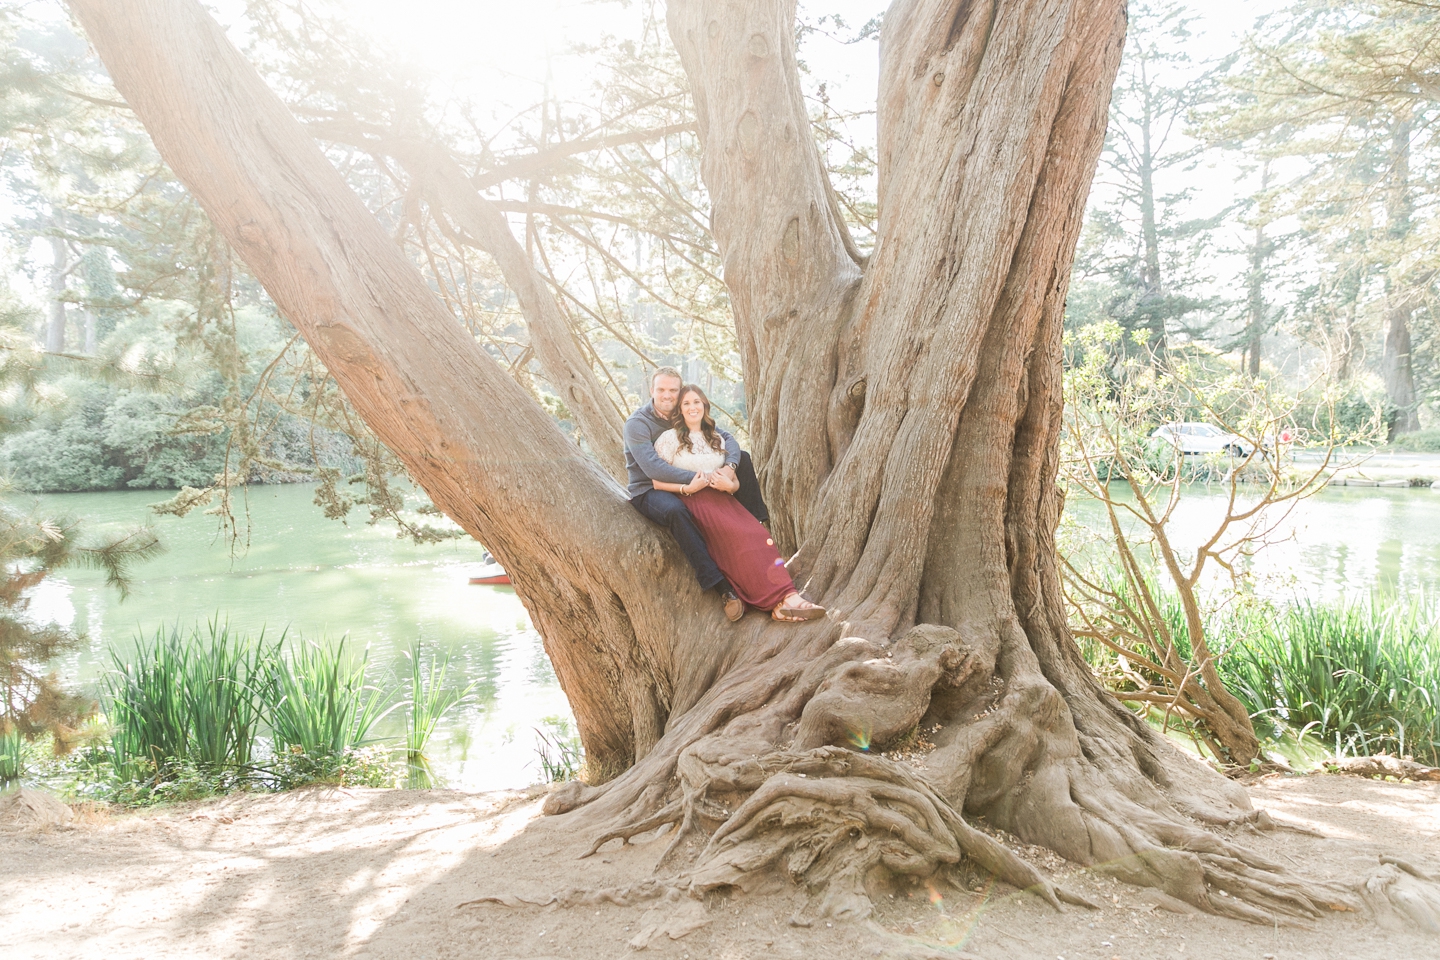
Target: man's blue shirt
[{"x": 643, "y": 464}]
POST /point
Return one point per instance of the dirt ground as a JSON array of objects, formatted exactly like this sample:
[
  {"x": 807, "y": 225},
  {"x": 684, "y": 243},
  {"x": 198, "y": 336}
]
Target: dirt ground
[{"x": 388, "y": 873}]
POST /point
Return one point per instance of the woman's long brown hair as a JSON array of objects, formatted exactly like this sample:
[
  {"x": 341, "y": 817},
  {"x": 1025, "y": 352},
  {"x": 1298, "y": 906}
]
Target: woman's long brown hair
[{"x": 707, "y": 423}]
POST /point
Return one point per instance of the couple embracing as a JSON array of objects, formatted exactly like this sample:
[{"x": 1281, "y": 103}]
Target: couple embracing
[{"x": 692, "y": 478}]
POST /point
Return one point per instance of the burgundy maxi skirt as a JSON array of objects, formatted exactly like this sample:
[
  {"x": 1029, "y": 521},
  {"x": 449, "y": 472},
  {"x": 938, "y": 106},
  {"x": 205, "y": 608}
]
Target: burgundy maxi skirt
[{"x": 741, "y": 548}]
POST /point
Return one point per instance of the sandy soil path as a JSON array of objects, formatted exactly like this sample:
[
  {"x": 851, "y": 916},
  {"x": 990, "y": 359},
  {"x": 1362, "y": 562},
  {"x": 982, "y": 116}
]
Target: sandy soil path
[{"x": 379, "y": 874}]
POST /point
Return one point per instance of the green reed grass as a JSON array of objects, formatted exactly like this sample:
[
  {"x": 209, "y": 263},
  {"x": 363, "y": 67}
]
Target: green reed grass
[
  {"x": 187, "y": 697},
  {"x": 429, "y": 700},
  {"x": 12, "y": 756},
  {"x": 1363, "y": 675},
  {"x": 319, "y": 702},
  {"x": 559, "y": 750}
]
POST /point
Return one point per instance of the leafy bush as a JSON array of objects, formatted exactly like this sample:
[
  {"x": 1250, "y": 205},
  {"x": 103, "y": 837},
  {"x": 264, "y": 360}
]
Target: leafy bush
[
  {"x": 105, "y": 438},
  {"x": 108, "y": 438},
  {"x": 1422, "y": 441},
  {"x": 1357, "y": 409}
]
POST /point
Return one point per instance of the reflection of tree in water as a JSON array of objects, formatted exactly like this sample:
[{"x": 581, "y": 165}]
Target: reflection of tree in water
[
  {"x": 1387, "y": 567},
  {"x": 541, "y": 673},
  {"x": 1342, "y": 553}
]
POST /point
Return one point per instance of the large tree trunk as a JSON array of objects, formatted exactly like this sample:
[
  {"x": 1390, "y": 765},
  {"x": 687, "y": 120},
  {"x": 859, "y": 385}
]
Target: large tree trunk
[{"x": 905, "y": 413}]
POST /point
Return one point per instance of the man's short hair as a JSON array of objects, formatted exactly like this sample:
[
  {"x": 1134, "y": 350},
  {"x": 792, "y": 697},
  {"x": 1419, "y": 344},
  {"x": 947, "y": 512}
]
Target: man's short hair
[{"x": 665, "y": 372}]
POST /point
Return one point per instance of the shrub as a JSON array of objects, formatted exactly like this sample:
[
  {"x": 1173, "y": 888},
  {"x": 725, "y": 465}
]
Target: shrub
[{"x": 1422, "y": 441}]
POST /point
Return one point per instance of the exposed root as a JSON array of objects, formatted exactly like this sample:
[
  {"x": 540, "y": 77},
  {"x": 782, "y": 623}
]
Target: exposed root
[
  {"x": 829, "y": 818},
  {"x": 669, "y": 815},
  {"x": 1401, "y": 895},
  {"x": 1384, "y": 765},
  {"x": 641, "y": 892}
]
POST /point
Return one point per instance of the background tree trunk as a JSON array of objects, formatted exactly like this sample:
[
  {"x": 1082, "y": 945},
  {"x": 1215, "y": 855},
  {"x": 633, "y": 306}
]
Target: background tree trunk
[
  {"x": 1398, "y": 374},
  {"x": 1150, "y": 232},
  {"x": 905, "y": 411},
  {"x": 1396, "y": 369},
  {"x": 59, "y": 269}
]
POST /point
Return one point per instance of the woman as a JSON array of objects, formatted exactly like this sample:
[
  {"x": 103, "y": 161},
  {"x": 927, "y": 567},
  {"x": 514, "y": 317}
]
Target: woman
[{"x": 742, "y": 548}]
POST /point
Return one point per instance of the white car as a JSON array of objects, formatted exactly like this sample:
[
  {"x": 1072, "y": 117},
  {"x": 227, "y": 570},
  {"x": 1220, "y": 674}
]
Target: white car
[{"x": 1198, "y": 439}]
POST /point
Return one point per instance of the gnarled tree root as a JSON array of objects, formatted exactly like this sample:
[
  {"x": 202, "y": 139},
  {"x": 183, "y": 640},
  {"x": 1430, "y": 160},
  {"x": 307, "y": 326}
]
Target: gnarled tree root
[
  {"x": 827, "y": 818},
  {"x": 781, "y": 783},
  {"x": 1384, "y": 765},
  {"x": 1401, "y": 895}
]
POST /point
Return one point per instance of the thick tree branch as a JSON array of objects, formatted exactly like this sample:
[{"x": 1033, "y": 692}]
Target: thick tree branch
[
  {"x": 779, "y": 232},
  {"x": 570, "y": 373}
]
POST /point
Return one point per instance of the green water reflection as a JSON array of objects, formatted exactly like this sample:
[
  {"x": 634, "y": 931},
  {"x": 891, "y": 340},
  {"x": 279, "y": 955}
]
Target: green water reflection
[
  {"x": 1343, "y": 540},
  {"x": 318, "y": 579}
]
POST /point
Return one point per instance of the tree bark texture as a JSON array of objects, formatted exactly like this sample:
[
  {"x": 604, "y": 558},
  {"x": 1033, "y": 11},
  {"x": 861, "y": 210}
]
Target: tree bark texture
[{"x": 905, "y": 411}]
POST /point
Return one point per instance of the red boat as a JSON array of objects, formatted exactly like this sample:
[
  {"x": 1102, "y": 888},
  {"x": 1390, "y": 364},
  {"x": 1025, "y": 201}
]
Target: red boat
[{"x": 491, "y": 574}]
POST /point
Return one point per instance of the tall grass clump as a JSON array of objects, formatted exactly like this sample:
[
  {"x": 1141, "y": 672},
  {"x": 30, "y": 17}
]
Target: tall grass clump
[
  {"x": 319, "y": 701},
  {"x": 1362, "y": 675},
  {"x": 559, "y": 750},
  {"x": 12, "y": 755},
  {"x": 189, "y": 713},
  {"x": 187, "y": 698},
  {"x": 429, "y": 700}
]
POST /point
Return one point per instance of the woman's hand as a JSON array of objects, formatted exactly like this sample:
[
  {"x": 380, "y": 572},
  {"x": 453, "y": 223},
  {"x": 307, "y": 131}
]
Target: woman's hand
[
  {"x": 700, "y": 482},
  {"x": 724, "y": 480}
]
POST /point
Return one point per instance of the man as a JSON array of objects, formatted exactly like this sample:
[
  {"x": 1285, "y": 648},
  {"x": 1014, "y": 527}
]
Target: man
[{"x": 644, "y": 465}]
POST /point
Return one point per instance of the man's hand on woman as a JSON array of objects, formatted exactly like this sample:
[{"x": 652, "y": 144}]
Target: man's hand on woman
[{"x": 724, "y": 480}]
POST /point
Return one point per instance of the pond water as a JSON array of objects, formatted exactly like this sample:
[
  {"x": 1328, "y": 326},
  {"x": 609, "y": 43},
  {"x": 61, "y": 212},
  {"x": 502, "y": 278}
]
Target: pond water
[
  {"x": 319, "y": 579},
  {"x": 1341, "y": 541}
]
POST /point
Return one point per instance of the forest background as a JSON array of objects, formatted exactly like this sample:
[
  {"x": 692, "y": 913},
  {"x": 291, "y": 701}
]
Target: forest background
[{"x": 1265, "y": 195}]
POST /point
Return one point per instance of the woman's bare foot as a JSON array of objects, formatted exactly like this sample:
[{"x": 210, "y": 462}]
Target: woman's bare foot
[{"x": 796, "y": 609}]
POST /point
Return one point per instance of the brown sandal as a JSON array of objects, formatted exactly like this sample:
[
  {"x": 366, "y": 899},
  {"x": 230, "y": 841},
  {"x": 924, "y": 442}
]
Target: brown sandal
[{"x": 785, "y": 614}]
